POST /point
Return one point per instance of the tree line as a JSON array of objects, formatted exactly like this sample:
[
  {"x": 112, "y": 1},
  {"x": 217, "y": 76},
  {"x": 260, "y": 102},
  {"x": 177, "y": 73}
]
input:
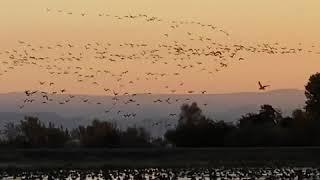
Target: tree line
[
  {"x": 267, "y": 127},
  {"x": 32, "y": 133}
]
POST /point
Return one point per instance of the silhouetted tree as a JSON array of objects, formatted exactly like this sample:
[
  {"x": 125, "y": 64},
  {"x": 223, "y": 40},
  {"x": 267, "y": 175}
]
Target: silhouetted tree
[
  {"x": 135, "y": 137},
  {"x": 258, "y": 129},
  {"x": 312, "y": 93},
  {"x": 56, "y": 137},
  {"x": 267, "y": 116},
  {"x": 11, "y": 132},
  {"x": 33, "y": 131},
  {"x": 99, "y": 134},
  {"x": 191, "y": 115},
  {"x": 196, "y": 130}
]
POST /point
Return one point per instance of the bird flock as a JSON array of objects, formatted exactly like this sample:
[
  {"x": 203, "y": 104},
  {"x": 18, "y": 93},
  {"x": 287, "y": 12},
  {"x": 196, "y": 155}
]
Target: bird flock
[
  {"x": 167, "y": 174},
  {"x": 115, "y": 69}
]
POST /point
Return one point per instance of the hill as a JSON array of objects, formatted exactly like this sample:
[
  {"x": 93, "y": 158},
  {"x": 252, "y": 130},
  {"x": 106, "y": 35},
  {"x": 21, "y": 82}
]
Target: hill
[{"x": 228, "y": 107}]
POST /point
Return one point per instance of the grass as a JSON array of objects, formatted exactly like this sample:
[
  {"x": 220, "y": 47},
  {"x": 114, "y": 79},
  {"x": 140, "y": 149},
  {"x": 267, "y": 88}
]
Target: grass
[{"x": 158, "y": 157}]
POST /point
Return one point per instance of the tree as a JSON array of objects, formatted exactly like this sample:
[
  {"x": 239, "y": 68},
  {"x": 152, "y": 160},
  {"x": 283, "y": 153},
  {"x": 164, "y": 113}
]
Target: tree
[
  {"x": 259, "y": 129},
  {"x": 196, "y": 130},
  {"x": 99, "y": 134},
  {"x": 56, "y": 137},
  {"x": 135, "y": 137},
  {"x": 36, "y": 134},
  {"x": 33, "y": 131},
  {"x": 300, "y": 118},
  {"x": 11, "y": 132},
  {"x": 312, "y": 92},
  {"x": 267, "y": 116},
  {"x": 191, "y": 115}
]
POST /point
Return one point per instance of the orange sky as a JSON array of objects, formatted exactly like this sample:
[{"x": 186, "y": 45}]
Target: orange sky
[{"x": 288, "y": 22}]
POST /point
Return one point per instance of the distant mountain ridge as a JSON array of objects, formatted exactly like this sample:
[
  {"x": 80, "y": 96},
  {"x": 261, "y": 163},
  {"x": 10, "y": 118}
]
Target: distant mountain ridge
[{"x": 228, "y": 107}]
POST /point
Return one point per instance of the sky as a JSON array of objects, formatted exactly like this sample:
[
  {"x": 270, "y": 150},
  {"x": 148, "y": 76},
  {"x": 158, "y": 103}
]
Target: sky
[{"x": 291, "y": 23}]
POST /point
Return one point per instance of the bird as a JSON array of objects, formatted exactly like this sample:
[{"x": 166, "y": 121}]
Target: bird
[
  {"x": 46, "y": 97},
  {"x": 69, "y": 57},
  {"x": 115, "y": 93},
  {"x": 29, "y": 93},
  {"x": 262, "y": 87}
]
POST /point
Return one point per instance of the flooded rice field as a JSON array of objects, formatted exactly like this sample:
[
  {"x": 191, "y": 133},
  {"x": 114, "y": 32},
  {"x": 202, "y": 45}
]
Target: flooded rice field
[{"x": 166, "y": 174}]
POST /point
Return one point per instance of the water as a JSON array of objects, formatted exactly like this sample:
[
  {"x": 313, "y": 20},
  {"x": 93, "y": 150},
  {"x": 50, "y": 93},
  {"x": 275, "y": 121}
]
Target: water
[{"x": 166, "y": 174}]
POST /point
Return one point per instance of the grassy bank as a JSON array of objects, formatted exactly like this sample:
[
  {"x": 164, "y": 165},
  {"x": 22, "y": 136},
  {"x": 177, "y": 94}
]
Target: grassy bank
[{"x": 177, "y": 157}]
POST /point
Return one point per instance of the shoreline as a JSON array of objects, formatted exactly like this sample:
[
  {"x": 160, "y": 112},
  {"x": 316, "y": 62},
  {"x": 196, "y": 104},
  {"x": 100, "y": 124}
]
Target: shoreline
[{"x": 160, "y": 157}]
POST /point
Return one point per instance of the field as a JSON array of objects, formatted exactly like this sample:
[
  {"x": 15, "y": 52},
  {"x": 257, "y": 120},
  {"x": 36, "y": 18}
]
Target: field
[{"x": 175, "y": 157}]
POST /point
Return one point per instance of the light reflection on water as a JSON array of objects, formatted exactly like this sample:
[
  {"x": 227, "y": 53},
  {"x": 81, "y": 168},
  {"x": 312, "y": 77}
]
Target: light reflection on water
[{"x": 167, "y": 174}]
